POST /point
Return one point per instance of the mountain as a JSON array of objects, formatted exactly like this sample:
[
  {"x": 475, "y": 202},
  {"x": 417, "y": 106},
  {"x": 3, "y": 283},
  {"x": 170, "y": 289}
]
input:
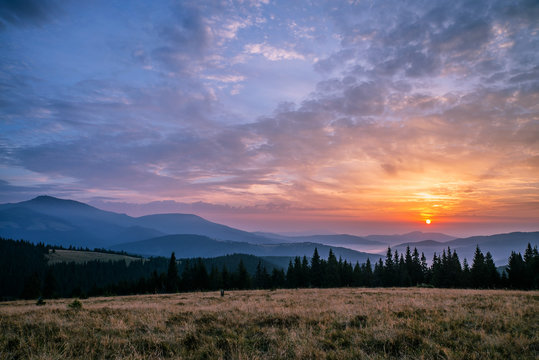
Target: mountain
[
  {"x": 21, "y": 223},
  {"x": 193, "y": 224},
  {"x": 70, "y": 209},
  {"x": 500, "y": 246},
  {"x": 411, "y": 237},
  {"x": 187, "y": 246},
  {"x": 421, "y": 244},
  {"x": 341, "y": 240},
  {"x": 67, "y": 222}
]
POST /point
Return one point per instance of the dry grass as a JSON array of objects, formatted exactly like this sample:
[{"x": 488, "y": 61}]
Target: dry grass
[{"x": 283, "y": 324}]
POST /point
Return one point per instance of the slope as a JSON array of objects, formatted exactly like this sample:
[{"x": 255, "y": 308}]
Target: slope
[{"x": 187, "y": 246}]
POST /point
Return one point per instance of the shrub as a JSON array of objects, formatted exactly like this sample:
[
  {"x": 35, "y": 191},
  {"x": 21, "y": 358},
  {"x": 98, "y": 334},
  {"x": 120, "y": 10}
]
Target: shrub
[{"x": 75, "y": 305}]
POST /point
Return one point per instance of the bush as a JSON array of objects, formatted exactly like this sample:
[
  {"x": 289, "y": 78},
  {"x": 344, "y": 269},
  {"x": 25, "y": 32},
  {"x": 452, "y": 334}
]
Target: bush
[{"x": 75, "y": 305}]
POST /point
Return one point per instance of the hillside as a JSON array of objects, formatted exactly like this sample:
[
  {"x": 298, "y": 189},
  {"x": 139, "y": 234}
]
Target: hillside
[
  {"x": 202, "y": 246},
  {"x": 341, "y": 240},
  {"x": 67, "y": 222},
  {"x": 414, "y": 236},
  {"x": 80, "y": 257},
  {"x": 500, "y": 245},
  {"x": 70, "y": 223}
]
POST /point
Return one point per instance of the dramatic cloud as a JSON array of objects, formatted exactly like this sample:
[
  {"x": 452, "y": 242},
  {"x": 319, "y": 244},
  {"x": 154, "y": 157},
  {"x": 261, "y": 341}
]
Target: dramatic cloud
[{"x": 334, "y": 111}]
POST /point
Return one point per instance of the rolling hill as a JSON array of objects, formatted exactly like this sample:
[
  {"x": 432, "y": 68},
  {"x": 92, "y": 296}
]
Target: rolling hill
[
  {"x": 499, "y": 245},
  {"x": 67, "y": 222},
  {"x": 187, "y": 246},
  {"x": 193, "y": 224},
  {"x": 414, "y": 236},
  {"x": 342, "y": 240}
]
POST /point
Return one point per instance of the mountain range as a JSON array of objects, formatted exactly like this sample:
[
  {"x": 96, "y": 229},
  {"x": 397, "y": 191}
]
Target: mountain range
[{"x": 71, "y": 223}]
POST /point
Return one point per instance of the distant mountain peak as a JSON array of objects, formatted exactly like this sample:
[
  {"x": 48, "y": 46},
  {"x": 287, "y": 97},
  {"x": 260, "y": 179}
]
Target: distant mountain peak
[{"x": 51, "y": 200}]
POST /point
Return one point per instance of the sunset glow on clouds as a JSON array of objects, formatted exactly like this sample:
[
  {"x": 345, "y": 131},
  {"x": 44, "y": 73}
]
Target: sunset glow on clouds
[{"x": 352, "y": 116}]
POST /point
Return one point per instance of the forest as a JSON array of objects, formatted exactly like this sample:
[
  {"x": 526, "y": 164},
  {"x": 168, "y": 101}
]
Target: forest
[{"x": 26, "y": 274}]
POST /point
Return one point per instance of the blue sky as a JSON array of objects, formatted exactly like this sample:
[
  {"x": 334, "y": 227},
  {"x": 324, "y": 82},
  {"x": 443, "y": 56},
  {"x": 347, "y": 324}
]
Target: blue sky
[{"x": 277, "y": 114}]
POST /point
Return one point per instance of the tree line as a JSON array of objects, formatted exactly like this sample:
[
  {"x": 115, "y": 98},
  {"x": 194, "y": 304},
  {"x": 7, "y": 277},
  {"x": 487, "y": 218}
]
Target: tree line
[{"x": 24, "y": 273}]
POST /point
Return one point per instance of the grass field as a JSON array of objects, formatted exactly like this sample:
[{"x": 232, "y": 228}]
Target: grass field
[
  {"x": 79, "y": 256},
  {"x": 284, "y": 324}
]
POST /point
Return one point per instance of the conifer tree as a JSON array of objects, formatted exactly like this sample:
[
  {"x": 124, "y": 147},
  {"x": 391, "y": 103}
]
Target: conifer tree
[
  {"x": 316, "y": 270},
  {"x": 172, "y": 275},
  {"x": 478, "y": 270},
  {"x": 516, "y": 271},
  {"x": 225, "y": 278},
  {"x": 331, "y": 273},
  {"x": 466, "y": 275},
  {"x": 388, "y": 274},
  {"x": 277, "y": 278},
  {"x": 201, "y": 280},
  {"x": 368, "y": 277},
  {"x": 243, "y": 280},
  {"x": 49, "y": 285},
  {"x": 492, "y": 278}
]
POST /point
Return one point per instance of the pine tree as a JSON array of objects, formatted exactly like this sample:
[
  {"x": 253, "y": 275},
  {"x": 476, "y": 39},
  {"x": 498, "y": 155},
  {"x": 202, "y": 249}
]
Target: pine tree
[
  {"x": 516, "y": 271},
  {"x": 436, "y": 271},
  {"x": 49, "y": 285},
  {"x": 478, "y": 271},
  {"x": 243, "y": 279},
  {"x": 531, "y": 267},
  {"x": 215, "y": 279},
  {"x": 305, "y": 273},
  {"x": 368, "y": 277},
  {"x": 331, "y": 273},
  {"x": 201, "y": 280},
  {"x": 291, "y": 278},
  {"x": 258, "y": 280},
  {"x": 426, "y": 275},
  {"x": 172, "y": 275},
  {"x": 404, "y": 275},
  {"x": 388, "y": 275},
  {"x": 466, "y": 280},
  {"x": 378, "y": 273},
  {"x": 358, "y": 279},
  {"x": 32, "y": 287},
  {"x": 316, "y": 270},
  {"x": 277, "y": 278},
  {"x": 491, "y": 274},
  {"x": 456, "y": 270},
  {"x": 416, "y": 272},
  {"x": 225, "y": 279}
]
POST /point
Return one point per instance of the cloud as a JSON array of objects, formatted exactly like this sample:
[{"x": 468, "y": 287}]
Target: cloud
[
  {"x": 186, "y": 39},
  {"x": 272, "y": 53},
  {"x": 226, "y": 78},
  {"x": 229, "y": 30},
  {"x": 411, "y": 111}
]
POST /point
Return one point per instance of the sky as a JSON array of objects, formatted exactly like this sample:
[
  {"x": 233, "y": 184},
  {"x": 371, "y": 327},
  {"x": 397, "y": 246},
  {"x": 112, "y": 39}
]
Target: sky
[{"x": 288, "y": 116}]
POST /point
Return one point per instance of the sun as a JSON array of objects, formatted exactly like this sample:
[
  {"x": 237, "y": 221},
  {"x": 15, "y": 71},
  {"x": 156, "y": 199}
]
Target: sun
[{"x": 427, "y": 221}]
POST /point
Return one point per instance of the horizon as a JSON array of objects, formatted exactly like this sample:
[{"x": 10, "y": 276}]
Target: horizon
[
  {"x": 305, "y": 232},
  {"x": 262, "y": 115}
]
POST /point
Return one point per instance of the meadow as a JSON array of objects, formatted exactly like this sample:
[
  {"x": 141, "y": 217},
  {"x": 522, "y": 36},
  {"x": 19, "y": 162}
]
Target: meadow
[
  {"x": 81, "y": 257},
  {"x": 345, "y": 323}
]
